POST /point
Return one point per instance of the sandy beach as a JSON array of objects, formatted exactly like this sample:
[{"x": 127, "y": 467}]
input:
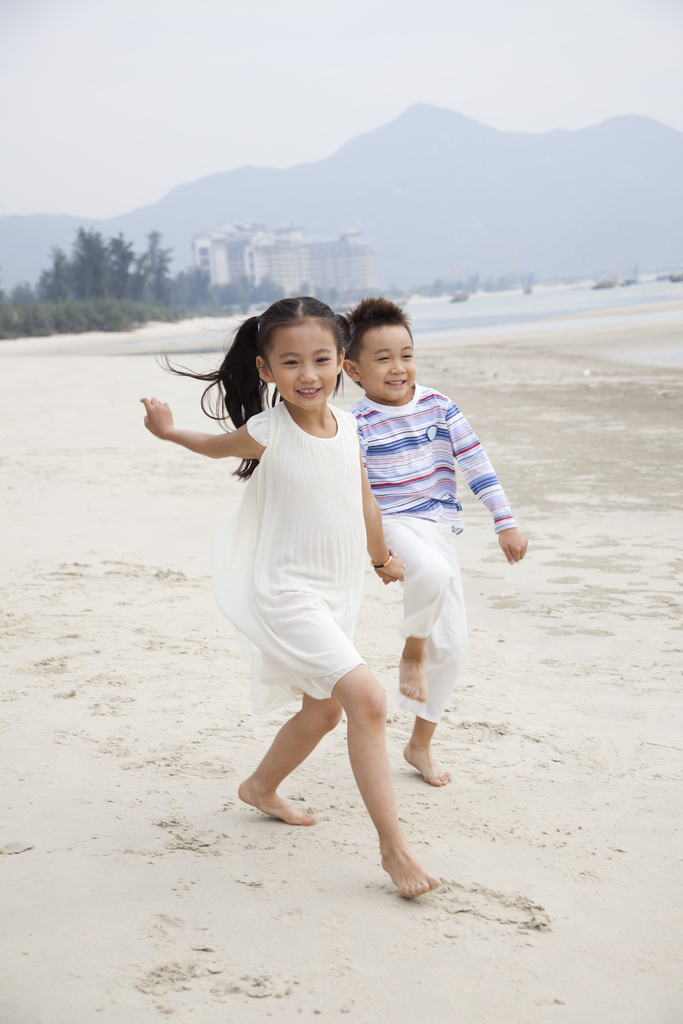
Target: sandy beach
[{"x": 137, "y": 887}]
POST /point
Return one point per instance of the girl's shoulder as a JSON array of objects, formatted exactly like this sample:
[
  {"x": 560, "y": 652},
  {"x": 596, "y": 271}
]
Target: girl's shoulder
[
  {"x": 346, "y": 420},
  {"x": 260, "y": 427}
]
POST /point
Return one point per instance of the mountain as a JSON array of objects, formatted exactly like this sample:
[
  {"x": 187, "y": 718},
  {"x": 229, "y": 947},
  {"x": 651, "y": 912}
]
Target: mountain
[{"x": 430, "y": 188}]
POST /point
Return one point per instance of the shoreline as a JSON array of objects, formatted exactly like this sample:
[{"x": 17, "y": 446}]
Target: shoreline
[
  {"x": 102, "y": 341},
  {"x": 615, "y": 334}
]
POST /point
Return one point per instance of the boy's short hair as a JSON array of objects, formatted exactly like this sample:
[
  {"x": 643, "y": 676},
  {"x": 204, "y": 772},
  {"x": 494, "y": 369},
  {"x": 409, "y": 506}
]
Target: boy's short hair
[{"x": 370, "y": 313}]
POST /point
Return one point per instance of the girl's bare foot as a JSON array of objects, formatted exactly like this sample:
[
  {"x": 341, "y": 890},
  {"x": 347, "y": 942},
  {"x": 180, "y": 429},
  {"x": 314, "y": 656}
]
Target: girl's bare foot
[
  {"x": 412, "y": 677},
  {"x": 270, "y": 803},
  {"x": 421, "y": 758},
  {"x": 407, "y": 874}
]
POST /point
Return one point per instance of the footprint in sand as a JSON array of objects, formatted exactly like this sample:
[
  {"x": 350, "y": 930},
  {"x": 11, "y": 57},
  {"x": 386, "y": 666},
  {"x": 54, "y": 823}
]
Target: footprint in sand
[{"x": 487, "y": 909}]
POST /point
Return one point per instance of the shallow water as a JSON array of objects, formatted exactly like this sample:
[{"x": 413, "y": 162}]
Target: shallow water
[
  {"x": 514, "y": 313},
  {"x": 491, "y": 309}
]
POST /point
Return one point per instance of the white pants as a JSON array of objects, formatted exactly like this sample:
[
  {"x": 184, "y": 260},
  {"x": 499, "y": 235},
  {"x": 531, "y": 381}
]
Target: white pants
[{"x": 433, "y": 606}]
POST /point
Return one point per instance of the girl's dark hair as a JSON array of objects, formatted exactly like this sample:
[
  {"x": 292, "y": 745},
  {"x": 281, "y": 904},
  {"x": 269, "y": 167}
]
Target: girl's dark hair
[
  {"x": 369, "y": 313},
  {"x": 240, "y": 392}
]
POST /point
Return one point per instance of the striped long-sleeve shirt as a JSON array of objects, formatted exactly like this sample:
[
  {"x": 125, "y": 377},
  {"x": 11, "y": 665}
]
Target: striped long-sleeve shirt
[{"x": 410, "y": 453}]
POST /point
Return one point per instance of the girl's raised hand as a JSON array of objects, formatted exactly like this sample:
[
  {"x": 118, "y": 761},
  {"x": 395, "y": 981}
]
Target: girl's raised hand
[{"x": 159, "y": 418}]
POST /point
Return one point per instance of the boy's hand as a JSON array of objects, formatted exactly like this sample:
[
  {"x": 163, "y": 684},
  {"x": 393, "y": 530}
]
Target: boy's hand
[
  {"x": 513, "y": 544},
  {"x": 159, "y": 418},
  {"x": 392, "y": 572}
]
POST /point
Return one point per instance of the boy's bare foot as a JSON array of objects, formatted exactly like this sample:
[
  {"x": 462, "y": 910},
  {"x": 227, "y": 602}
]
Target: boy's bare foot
[
  {"x": 272, "y": 804},
  {"x": 421, "y": 758},
  {"x": 412, "y": 677},
  {"x": 407, "y": 874}
]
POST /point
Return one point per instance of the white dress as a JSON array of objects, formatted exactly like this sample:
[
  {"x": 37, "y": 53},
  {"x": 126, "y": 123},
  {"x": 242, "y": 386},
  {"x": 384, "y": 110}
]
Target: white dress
[{"x": 287, "y": 570}]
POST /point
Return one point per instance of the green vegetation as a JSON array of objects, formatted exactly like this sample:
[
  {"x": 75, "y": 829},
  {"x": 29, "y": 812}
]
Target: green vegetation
[
  {"x": 34, "y": 318},
  {"x": 102, "y": 286},
  {"x": 193, "y": 290},
  {"x": 102, "y": 268}
]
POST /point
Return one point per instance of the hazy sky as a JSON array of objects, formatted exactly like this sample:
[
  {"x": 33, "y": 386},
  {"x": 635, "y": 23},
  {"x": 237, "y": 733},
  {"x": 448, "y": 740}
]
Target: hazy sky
[{"x": 107, "y": 104}]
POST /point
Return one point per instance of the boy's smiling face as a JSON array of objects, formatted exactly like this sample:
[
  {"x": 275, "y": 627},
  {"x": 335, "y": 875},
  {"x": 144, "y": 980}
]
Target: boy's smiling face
[{"x": 385, "y": 366}]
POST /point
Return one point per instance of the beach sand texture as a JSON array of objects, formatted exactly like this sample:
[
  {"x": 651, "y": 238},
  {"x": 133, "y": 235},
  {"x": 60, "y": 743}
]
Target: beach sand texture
[{"x": 136, "y": 886}]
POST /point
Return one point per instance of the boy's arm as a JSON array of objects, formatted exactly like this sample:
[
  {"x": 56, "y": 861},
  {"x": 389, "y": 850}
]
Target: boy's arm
[
  {"x": 238, "y": 443},
  {"x": 377, "y": 546},
  {"x": 513, "y": 544},
  {"x": 483, "y": 482}
]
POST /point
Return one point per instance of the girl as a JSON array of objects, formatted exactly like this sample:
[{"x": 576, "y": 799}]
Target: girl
[{"x": 287, "y": 571}]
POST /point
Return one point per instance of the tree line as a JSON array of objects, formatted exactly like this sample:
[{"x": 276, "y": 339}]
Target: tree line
[
  {"x": 193, "y": 289},
  {"x": 109, "y": 268},
  {"x": 100, "y": 268},
  {"x": 103, "y": 284}
]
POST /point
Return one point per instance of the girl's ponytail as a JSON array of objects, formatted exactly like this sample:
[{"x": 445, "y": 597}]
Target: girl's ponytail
[
  {"x": 244, "y": 391},
  {"x": 240, "y": 392}
]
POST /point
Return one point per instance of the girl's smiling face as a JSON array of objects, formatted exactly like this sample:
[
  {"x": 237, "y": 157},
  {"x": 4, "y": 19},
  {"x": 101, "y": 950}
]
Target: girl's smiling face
[{"x": 303, "y": 363}]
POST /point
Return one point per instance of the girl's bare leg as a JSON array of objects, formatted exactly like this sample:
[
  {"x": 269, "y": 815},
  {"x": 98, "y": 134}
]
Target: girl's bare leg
[
  {"x": 294, "y": 742},
  {"x": 418, "y": 753},
  {"x": 364, "y": 702}
]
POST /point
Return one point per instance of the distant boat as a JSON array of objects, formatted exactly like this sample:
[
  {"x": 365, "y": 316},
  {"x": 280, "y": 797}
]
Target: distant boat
[
  {"x": 627, "y": 281},
  {"x": 460, "y": 297},
  {"x": 528, "y": 289},
  {"x": 676, "y": 276},
  {"x": 607, "y": 282}
]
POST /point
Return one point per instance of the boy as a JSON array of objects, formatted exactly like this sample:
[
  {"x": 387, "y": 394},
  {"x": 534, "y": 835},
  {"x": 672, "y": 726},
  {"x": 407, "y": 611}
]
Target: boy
[{"x": 411, "y": 438}]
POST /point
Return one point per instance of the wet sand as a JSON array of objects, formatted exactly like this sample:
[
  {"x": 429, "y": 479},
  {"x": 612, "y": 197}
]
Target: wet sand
[{"x": 146, "y": 890}]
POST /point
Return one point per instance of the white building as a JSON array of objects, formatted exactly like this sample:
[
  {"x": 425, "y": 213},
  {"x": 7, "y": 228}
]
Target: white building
[
  {"x": 281, "y": 256},
  {"x": 220, "y": 252},
  {"x": 243, "y": 249},
  {"x": 346, "y": 263}
]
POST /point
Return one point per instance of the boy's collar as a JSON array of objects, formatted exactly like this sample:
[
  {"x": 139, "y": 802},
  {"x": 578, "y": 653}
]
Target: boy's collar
[{"x": 417, "y": 390}]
